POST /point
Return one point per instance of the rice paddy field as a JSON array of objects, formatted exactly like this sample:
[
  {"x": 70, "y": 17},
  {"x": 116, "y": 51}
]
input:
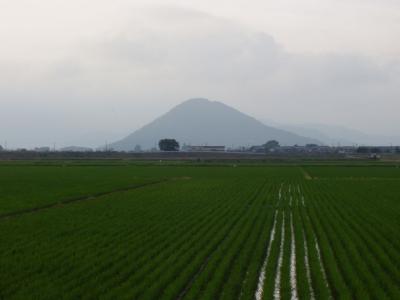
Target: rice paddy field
[{"x": 187, "y": 231}]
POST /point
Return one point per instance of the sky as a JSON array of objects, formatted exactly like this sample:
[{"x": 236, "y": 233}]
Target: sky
[{"x": 90, "y": 71}]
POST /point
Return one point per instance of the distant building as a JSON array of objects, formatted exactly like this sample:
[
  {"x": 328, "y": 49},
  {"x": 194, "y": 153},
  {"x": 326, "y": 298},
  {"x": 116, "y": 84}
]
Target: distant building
[
  {"x": 205, "y": 148},
  {"x": 374, "y": 156},
  {"x": 307, "y": 149},
  {"x": 346, "y": 149},
  {"x": 42, "y": 149},
  {"x": 376, "y": 149},
  {"x": 76, "y": 149},
  {"x": 257, "y": 149}
]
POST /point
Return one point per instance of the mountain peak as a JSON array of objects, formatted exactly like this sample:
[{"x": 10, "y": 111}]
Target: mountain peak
[{"x": 195, "y": 101}]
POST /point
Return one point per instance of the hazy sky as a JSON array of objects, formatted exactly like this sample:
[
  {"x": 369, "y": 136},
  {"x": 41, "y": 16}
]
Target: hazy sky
[{"x": 80, "y": 71}]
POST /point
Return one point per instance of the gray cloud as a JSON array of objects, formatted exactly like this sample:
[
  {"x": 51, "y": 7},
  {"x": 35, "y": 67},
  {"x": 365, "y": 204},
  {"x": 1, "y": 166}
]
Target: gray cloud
[{"x": 117, "y": 83}]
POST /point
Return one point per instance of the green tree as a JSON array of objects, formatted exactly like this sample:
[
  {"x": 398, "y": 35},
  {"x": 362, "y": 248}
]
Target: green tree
[
  {"x": 168, "y": 145},
  {"x": 272, "y": 144}
]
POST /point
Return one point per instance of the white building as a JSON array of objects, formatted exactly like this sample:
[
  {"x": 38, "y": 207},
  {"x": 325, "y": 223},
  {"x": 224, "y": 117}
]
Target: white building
[{"x": 205, "y": 148}]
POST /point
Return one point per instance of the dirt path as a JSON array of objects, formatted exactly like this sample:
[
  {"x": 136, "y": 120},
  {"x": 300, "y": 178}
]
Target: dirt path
[
  {"x": 307, "y": 176},
  {"x": 61, "y": 203}
]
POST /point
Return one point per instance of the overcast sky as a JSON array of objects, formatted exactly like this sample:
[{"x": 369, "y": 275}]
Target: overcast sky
[{"x": 87, "y": 70}]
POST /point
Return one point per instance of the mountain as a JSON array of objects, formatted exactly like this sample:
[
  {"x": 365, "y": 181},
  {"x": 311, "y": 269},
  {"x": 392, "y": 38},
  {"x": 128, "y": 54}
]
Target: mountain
[
  {"x": 92, "y": 139},
  {"x": 200, "y": 121},
  {"x": 340, "y": 135},
  {"x": 326, "y": 136}
]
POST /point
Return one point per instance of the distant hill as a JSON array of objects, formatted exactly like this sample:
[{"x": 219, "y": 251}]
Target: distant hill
[
  {"x": 321, "y": 133},
  {"x": 200, "y": 122},
  {"x": 339, "y": 135}
]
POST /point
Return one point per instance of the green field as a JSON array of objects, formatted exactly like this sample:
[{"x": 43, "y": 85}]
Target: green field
[{"x": 187, "y": 231}]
